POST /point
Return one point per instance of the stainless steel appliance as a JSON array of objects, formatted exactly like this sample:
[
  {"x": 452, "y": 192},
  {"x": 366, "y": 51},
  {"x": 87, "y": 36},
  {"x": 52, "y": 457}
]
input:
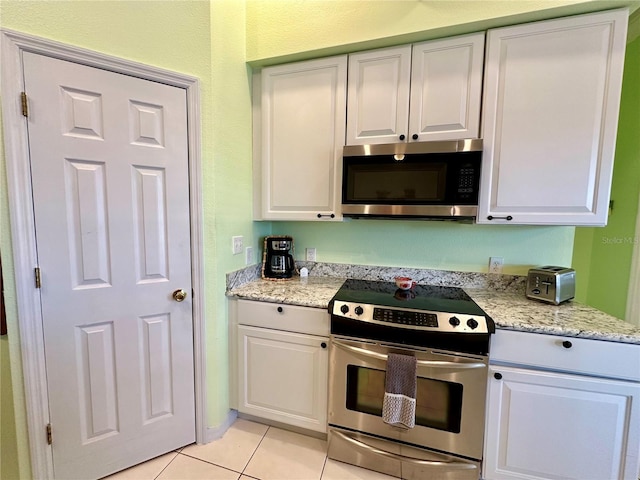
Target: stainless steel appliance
[
  {"x": 551, "y": 284},
  {"x": 449, "y": 336},
  {"x": 420, "y": 179},
  {"x": 277, "y": 258}
]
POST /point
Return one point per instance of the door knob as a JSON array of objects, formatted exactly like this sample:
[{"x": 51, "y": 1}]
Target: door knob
[{"x": 179, "y": 295}]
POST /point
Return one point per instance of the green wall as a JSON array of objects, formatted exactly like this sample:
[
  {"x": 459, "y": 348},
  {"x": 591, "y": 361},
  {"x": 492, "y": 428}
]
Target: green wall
[
  {"x": 9, "y": 467},
  {"x": 602, "y": 256},
  {"x": 431, "y": 244},
  {"x": 205, "y": 39},
  {"x": 285, "y": 30}
]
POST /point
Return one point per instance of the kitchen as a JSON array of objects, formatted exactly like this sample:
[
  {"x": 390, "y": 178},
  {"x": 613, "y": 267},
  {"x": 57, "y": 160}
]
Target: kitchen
[{"x": 210, "y": 44}]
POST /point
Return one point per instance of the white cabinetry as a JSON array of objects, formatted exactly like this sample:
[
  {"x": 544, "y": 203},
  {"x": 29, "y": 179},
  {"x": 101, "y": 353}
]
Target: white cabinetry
[
  {"x": 428, "y": 91},
  {"x": 562, "y": 410},
  {"x": 550, "y": 114},
  {"x": 378, "y": 96},
  {"x": 303, "y": 109},
  {"x": 283, "y": 363}
]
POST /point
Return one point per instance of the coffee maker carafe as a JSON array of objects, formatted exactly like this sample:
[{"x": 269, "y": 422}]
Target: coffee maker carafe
[{"x": 278, "y": 260}]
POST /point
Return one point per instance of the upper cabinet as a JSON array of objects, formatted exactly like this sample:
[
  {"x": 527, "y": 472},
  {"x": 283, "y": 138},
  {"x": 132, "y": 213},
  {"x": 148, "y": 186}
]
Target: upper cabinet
[
  {"x": 378, "y": 96},
  {"x": 421, "y": 92},
  {"x": 550, "y": 115},
  {"x": 302, "y": 122}
]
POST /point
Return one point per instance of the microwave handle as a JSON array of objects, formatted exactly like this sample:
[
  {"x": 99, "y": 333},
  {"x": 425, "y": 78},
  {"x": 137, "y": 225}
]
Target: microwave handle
[
  {"x": 421, "y": 363},
  {"x": 395, "y": 456}
]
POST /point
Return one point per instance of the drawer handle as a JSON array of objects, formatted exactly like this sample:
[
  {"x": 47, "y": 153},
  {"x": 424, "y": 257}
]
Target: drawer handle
[
  {"x": 567, "y": 344},
  {"x": 508, "y": 218},
  {"x": 280, "y": 310},
  {"x": 323, "y": 345},
  {"x": 497, "y": 376}
]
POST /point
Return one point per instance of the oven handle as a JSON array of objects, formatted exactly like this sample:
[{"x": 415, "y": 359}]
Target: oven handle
[
  {"x": 421, "y": 363},
  {"x": 404, "y": 458}
]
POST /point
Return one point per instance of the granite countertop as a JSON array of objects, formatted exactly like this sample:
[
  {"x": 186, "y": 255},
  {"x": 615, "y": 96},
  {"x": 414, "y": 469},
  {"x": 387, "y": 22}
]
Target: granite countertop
[
  {"x": 509, "y": 310},
  {"x": 307, "y": 292},
  {"x": 514, "y": 311}
]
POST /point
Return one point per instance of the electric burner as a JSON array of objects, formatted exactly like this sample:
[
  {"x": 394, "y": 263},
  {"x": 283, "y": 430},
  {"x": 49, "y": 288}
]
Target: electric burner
[{"x": 426, "y": 315}]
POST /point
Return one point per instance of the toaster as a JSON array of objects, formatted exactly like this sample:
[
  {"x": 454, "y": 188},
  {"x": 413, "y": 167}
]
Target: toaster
[{"x": 551, "y": 284}]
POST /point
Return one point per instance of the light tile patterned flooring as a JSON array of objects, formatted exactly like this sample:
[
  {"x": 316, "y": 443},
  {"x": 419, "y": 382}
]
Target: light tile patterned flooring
[{"x": 247, "y": 451}]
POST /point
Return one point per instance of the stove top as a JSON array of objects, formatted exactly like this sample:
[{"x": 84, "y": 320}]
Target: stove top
[
  {"x": 421, "y": 315},
  {"x": 421, "y": 297}
]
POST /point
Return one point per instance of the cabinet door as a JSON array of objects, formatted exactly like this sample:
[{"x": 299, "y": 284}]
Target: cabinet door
[
  {"x": 303, "y": 131},
  {"x": 543, "y": 425},
  {"x": 378, "y": 96},
  {"x": 446, "y": 87},
  {"x": 283, "y": 376},
  {"x": 550, "y": 114}
]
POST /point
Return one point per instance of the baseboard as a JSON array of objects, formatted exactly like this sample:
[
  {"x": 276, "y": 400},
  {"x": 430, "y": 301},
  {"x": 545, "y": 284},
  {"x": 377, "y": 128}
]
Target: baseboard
[{"x": 214, "y": 433}]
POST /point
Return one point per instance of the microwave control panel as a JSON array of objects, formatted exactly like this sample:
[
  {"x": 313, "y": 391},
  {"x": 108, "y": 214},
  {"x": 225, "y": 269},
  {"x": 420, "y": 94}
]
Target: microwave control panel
[{"x": 467, "y": 183}]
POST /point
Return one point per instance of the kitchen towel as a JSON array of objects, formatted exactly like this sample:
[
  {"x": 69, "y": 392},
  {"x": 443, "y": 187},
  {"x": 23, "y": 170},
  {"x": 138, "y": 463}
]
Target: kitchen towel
[{"x": 399, "y": 403}]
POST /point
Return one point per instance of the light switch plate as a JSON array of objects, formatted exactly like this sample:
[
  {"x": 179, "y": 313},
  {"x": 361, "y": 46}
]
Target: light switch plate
[
  {"x": 310, "y": 254},
  {"x": 237, "y": 244}
]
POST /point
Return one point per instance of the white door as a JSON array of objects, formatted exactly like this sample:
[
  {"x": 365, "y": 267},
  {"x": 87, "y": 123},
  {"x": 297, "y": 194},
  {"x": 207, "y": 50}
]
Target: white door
[
  {"x": 111, "y": 197},
  {"x": 547, "y": 425},
  {"x": 446, "y": 86},
  {"x": 378, "y": 96},
  {"x": 303, "y": 128},
  {"x": 550, "y": 117},
  {"x": 283, "y": 376}
]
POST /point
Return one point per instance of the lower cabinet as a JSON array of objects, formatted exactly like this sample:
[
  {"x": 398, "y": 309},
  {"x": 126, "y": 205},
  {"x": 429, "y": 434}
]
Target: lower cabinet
[
  {"x": 283, "y": 375},
  {"x": 543, "y": 424}
]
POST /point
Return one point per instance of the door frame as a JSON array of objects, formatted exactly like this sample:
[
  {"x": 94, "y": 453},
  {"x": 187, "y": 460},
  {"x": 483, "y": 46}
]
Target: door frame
[{"x": 23, "y": 235}]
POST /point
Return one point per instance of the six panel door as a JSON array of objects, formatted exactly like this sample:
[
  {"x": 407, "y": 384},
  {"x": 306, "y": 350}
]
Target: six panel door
[{"x": 111, "y": 198}]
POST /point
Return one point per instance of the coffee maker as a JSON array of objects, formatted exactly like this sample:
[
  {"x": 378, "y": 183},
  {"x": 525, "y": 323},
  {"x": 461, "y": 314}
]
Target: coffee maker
[{"x": 277, "y": 258}]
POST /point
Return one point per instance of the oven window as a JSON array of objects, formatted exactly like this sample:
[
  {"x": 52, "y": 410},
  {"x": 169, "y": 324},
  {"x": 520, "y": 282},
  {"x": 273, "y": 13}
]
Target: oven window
[{"x": 438, "y": 403}]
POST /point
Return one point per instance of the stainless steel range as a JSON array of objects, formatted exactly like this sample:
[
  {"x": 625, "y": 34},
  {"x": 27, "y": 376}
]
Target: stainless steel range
[{"x": 449, "y": 336}]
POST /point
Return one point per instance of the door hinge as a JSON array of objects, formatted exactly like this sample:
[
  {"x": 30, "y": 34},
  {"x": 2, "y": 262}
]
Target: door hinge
[
  {"x": 25, "y": 104},
  {"x": 36, "y": 272},
  {"x": 49, "y": 435}
]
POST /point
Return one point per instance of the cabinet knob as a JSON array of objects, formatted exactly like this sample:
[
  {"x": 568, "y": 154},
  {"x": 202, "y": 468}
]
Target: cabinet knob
[
  {"x": 567, "y": 344},
  {"x": 497, "y": 376},
  {"x": 414, "y": 136},
  {"x": 280, "y": 310},
  {"x": 402, "y": 137},
  {"x": 323, "y": 345}
]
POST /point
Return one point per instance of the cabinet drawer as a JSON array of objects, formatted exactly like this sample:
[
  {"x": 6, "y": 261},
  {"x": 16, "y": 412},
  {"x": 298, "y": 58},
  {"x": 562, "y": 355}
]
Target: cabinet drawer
[
  {"x": 290, "y": 318},
  {"x": 584, "y": 356}
]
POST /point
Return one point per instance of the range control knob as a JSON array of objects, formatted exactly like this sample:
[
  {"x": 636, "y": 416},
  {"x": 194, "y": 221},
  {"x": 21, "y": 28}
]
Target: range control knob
[
  {"x": 359, "y": 310},
  {"x": 454, "y": 321},
  {"x": 472, "y": 324},
  {"x": 344, "y": 308}
]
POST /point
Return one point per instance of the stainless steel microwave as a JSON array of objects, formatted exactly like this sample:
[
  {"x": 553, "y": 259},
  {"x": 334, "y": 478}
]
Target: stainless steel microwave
[{"x": 412, "y": 180}]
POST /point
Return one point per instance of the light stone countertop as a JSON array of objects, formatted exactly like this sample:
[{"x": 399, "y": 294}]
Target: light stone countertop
[
  {"x": 509, "y": 310},
  {"x": 307, "y": 292},
  {"x": 514, "y": 311}
]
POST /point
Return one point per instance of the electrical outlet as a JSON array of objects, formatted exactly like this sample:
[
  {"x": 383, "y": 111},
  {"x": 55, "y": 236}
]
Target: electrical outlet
[
  {"x": 248, "y": 256},
  {"x": 310, "y": 254},
  {"x": 237, "y": 244},
  {"x": 495, "y": 264}
]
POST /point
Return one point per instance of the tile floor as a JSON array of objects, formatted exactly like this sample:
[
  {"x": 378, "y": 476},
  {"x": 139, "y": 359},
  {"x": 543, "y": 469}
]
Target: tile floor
[{"x": 248, "y": 451}]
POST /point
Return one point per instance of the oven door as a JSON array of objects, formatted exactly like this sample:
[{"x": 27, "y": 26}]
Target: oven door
[{"x": 450, "y": 395}]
